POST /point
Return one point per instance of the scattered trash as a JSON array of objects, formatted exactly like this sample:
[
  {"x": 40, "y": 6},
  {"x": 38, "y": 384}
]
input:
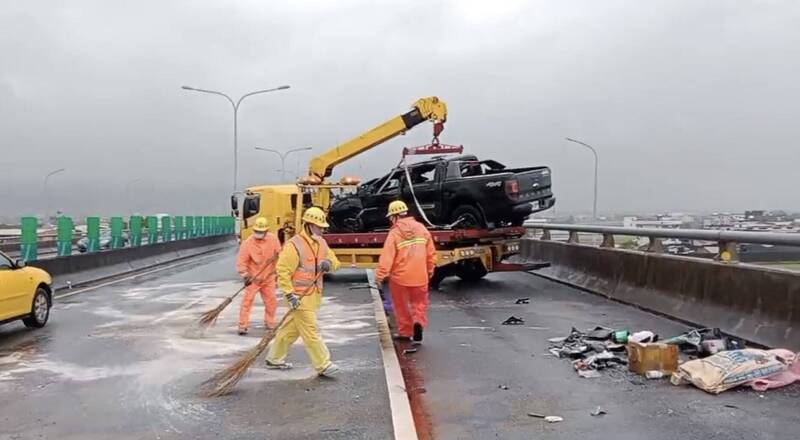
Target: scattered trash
[
  {"x": 513, "y": 320},
  {"x": 692, "y": 342},
  {"x": 557, "y": 340},
  {"x": 642, "y": 337},
  {"x": 655, "y": 356},
  {"x": 598, "y": 412},
  {"x": 409, "y": 351},
  {"x": 600, "y": 333},
  {"x": 654, "y": 374},
  {"x": 728, "y": 369},
  {"x": 731, "y": 406},
  {"x": 620, "y": 336},
  {"x": 523, "y": 301},
  {"x": 588, "y": 374},
  {"x": 503, "y": 387},
  {"x": 548, "y": 419},
  {"x": 791, "y": 375}
]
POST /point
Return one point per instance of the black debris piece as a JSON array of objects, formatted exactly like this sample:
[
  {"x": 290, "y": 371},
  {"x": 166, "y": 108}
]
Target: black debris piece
[
  {"x": 513, "y": 320},
  {"x": 523, "y": 301},
  {"x": 598, "y": 412}
]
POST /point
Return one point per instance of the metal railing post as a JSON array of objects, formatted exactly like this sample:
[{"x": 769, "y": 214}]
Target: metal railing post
[
  {"x": 573, "y": 237},
  {"x": 608, "y": 241},
  {"x": 728, "y": 252}
]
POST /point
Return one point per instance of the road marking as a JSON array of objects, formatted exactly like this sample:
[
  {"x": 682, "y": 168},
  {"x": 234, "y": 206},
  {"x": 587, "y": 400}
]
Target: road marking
[
  {"x": 119, "y": 280},
  {"x": 402, "y": 419}
]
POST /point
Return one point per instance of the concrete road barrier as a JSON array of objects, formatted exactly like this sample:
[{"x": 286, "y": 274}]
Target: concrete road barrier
[
  {"x": 758, "y": 304},
  {"x": 80, "y": 269}
]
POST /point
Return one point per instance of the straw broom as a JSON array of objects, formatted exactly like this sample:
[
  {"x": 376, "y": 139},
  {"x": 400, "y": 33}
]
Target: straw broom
[
  {"x": 210, "y": 317},
  {"x": 224, "y": 381}
]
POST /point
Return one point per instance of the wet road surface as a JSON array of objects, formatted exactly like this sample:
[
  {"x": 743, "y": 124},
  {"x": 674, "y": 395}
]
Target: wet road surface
[
  {"x": 476, "y": 379},
  {"x": 117, "y": 363}
]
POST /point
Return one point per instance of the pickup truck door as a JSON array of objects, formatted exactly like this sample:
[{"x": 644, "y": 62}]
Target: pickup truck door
[
  {"x": 426, "y": 178},
  {"x": 377, "y": 202}
]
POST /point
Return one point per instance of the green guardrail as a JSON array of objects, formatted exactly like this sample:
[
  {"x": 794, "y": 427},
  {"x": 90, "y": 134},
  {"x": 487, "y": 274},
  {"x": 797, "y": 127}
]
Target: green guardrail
[{"x": 164, "y": 229}]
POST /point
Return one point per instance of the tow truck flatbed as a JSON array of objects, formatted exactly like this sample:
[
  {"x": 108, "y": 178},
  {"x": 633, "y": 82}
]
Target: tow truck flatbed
[{"x": 440, "y": 236}]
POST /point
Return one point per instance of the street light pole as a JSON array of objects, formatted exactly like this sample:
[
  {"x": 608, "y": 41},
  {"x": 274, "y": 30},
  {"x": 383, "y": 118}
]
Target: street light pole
[
  {"x": 128, "y": 192},
  {"x": 594, "y": 209},
  {"x": 235, "y": 105},
  {"x": 44, "y": 189},
  {"x": 283, "y": 157}
]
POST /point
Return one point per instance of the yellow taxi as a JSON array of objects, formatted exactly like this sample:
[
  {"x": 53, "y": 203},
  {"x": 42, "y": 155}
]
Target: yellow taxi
[{"x": 25, "y": 293}]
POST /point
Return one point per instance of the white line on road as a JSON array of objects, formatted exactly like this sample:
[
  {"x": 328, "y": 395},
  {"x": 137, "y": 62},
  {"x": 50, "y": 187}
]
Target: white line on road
[
  {"x": 119, "y": 280},
  {"x": 402, "y": 419}
]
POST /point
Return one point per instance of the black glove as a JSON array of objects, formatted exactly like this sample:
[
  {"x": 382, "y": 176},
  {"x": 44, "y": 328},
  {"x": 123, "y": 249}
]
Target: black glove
[
  {"x": 325, "y": 265},
  {"x": 247, "y": 279}
]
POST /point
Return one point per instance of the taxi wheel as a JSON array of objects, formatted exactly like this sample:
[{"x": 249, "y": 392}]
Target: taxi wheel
[{"x": 40, "y": 310}]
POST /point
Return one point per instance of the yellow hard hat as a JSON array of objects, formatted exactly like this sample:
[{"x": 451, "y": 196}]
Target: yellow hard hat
[
  {"x": 261, "y": 225},
  {"x": 397, "y": 207},
  {"x": 315, "y": 216}
]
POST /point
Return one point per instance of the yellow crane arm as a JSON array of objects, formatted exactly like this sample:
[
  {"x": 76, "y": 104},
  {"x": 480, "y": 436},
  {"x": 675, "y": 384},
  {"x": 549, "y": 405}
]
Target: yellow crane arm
[{"x": 425, "y": 109}]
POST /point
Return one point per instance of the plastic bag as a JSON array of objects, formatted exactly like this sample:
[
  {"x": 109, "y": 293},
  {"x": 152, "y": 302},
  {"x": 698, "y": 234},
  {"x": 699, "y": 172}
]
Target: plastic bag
[{"x": 728, "y": 369}]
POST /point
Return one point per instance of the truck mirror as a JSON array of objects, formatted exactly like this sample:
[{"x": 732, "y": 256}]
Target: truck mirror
[{"x": 234, "y": 202}]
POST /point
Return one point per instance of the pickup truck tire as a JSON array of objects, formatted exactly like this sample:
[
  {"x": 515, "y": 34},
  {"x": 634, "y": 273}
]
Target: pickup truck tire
[
  {"x": 473, "y": 219},
  {"x": 471, "y": 270}
]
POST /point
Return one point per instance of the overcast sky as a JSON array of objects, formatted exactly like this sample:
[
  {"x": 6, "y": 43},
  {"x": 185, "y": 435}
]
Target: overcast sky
[{"x": 692, "y": 105}]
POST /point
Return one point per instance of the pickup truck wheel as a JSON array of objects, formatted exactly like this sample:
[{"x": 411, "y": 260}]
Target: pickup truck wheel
[
  {"x": 471, "y": 217},
  {"x": 471, "y": 270}
]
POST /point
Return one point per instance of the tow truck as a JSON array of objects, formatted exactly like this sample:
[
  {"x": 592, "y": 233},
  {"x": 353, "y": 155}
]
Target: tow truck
[{"x": 469, "y": 254}]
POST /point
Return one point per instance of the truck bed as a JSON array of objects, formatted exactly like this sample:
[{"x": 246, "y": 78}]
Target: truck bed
[{"x": 440, "y": 236}]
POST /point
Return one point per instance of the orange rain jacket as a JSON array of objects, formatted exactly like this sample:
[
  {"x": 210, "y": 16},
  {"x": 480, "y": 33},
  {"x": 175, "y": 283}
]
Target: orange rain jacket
[
  {"x": 408, "y": 257},
  {"x": 253, "y": 254}
]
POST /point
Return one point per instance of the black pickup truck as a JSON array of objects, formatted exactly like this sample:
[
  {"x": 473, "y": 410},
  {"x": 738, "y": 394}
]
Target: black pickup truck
[{"x": 460, "y": 192}]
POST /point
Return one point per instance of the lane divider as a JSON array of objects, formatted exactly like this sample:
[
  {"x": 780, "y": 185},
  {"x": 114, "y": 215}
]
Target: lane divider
[
  {"x": 130, "y": 277},
  {"x": 402, "y": 419}
]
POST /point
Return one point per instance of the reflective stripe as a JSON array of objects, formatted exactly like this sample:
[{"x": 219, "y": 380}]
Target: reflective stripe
[
  {"x": 411, "y": 241},
  {"x": 307, "y": 268}
]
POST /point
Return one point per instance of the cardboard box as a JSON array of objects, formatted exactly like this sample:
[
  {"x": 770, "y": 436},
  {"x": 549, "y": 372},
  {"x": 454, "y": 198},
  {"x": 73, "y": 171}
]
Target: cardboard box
[{"x": 652, "y": 357}]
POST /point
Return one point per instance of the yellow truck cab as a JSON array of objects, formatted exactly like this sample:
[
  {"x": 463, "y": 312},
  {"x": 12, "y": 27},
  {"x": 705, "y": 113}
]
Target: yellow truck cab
[{"x": 25, "y": 293}]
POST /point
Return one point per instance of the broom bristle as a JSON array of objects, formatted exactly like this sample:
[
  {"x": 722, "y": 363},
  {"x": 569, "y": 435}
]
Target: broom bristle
[
  {"x": 211, "y": 316},
  {"x": 224, "y": 381}
]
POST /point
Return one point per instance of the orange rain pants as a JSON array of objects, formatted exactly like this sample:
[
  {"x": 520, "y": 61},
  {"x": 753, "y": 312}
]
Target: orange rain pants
[{"x": 410, "y": 305}]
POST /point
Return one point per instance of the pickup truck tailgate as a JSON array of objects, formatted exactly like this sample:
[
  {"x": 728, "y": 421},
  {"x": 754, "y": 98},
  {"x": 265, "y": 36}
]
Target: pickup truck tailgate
[{"x": 534, "y": 184}]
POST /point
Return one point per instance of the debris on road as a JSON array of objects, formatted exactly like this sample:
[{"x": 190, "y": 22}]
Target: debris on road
[
  {"x": 642, "y": 337},
  {"x": 654, "y": 374},
  {"x": 548, "y": 419},
  {"x": 652, "y": 356},
  {"x": 409, "y": 351},
  {"x": 523, "y": 301},
  {"x": 503, "y": 387},
  {"x": 791, "y": 375},
  {"x": 729, "y": 369},
  {"x": 598, "y": 412},
  {"x": 513, "y": 320}
]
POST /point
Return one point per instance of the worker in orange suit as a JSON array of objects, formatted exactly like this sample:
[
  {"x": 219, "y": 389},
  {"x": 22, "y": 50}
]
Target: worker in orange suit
[
  {"x": 408, "y": 260},
  {"x": 256, "y": 265}
]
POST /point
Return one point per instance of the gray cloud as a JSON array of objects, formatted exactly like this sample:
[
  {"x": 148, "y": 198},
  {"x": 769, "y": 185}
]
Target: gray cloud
[{"x": 691, "y": 104}]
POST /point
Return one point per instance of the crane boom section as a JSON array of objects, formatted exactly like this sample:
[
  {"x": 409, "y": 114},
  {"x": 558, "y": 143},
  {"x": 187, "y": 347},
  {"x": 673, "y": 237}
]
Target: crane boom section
[{"x": 431, "y": 108}]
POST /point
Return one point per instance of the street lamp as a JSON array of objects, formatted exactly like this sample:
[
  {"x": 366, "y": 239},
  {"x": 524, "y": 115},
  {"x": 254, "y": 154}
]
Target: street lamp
[
  {"x": 235, "y": 105},
  {"x": 594, "y": 209},
  {"x": 128, "y": 191},
  {"x": 44, "y": 189},
  {"x": 283, "y": 157}
]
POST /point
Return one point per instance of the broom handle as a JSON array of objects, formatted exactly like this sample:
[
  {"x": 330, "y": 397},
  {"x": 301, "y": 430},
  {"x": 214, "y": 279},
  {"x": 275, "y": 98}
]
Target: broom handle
[{"x": 270, "y": 261}]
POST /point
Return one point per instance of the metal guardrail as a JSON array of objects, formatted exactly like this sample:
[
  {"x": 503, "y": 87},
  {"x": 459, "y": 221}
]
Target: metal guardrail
[{"x": 727, "y": 240}]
